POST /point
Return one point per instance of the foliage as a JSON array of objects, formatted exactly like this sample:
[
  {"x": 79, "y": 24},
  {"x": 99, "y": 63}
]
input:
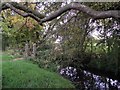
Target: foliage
[
  {"x": 17, "y": 31},
  {"x": 73, "y": 29}
]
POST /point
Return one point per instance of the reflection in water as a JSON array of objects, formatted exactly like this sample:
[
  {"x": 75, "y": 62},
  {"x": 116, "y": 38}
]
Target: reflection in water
[{"x": 87, "y": 80}]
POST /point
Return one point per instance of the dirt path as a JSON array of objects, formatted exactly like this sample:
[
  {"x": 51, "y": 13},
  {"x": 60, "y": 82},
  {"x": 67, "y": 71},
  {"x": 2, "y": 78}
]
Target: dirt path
[{"x": 17, "y": 59}]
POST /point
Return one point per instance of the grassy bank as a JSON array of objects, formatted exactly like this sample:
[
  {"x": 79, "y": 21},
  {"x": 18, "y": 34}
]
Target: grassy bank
[{"x": 24, "y": 74}]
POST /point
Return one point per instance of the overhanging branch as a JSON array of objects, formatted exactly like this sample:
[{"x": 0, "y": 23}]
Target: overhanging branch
[
  {"x": 91, "y": 12},
  {"x": 21, "y": 7},
  {"x": 75, "y": 6},
  {"x": 23, "y": 14}
]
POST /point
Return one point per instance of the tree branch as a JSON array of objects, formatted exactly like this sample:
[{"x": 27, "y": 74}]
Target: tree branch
[
  {"x": 77, "y": 6},
  {"x": 23, "y": 8},
  {"x": 23, "y": 14}
]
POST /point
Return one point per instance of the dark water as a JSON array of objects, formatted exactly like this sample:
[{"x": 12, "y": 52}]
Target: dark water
[{"x": 87, "y": 80}]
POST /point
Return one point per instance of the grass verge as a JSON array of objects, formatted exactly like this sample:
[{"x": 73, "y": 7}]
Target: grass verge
[{"x": 24, "y": 74}]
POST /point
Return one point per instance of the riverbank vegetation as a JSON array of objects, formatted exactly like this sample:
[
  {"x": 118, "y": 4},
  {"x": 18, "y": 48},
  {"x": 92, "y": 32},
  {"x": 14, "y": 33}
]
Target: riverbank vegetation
[{"x": 24, "y": 74}]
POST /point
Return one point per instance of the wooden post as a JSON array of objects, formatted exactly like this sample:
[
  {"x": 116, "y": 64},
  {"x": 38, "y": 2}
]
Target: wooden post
[
  {"x": 34, "y": 50},
  {"x": 26, "y": 50}
]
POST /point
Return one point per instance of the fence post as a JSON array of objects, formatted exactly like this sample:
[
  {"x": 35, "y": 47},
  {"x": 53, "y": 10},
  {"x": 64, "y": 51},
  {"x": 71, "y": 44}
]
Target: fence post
[
  {"x": 34, "y": 50},
  {"x": 26, "y": 50}
]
